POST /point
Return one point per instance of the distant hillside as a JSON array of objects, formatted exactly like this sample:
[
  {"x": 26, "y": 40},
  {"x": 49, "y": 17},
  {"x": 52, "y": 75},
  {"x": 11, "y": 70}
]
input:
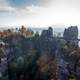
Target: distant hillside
[{"x": 56, "y": 29}]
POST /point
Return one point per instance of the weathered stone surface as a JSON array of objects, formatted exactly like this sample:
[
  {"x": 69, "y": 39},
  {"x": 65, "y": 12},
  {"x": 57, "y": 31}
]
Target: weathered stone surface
[
  {"x": 71, "y": 33},
  {"x": 47, "y": 33}
]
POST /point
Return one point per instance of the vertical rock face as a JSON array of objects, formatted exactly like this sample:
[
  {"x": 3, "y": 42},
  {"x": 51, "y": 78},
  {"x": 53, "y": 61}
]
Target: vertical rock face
[
  {"x": 47, "y": 33},
  {"x": 50, "y": 32},
  {"x": 71, "y": 33},
  {"x": 47, "y": 42},
  {"x": 46, "y": 39}
]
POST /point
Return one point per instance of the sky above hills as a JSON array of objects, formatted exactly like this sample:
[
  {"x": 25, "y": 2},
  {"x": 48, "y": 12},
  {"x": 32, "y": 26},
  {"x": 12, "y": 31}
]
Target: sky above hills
[{"x": 39, "y": 12}]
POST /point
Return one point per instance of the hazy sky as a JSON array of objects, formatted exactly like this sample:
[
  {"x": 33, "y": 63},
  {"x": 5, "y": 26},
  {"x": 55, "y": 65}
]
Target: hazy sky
[{"x": 39, "y": 12}]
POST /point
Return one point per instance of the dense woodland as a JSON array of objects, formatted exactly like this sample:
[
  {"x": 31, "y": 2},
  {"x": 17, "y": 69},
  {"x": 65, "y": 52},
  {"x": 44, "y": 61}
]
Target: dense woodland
[{"x": 25, "y": 55}]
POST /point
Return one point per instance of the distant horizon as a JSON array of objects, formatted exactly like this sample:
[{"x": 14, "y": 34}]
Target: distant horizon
[
  {"x": 57, "y": 28},
  {"x": 38, "y": 26}
]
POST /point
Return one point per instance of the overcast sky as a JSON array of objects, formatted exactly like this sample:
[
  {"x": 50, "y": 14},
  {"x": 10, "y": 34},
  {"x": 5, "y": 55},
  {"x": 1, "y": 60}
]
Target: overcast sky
[{"x": 39, "y": 12}]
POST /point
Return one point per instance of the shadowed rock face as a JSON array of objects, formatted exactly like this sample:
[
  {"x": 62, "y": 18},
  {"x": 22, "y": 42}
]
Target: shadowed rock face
[
  {"x": 47, "y": 33},
  {"x": 71, "y": 33}
]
